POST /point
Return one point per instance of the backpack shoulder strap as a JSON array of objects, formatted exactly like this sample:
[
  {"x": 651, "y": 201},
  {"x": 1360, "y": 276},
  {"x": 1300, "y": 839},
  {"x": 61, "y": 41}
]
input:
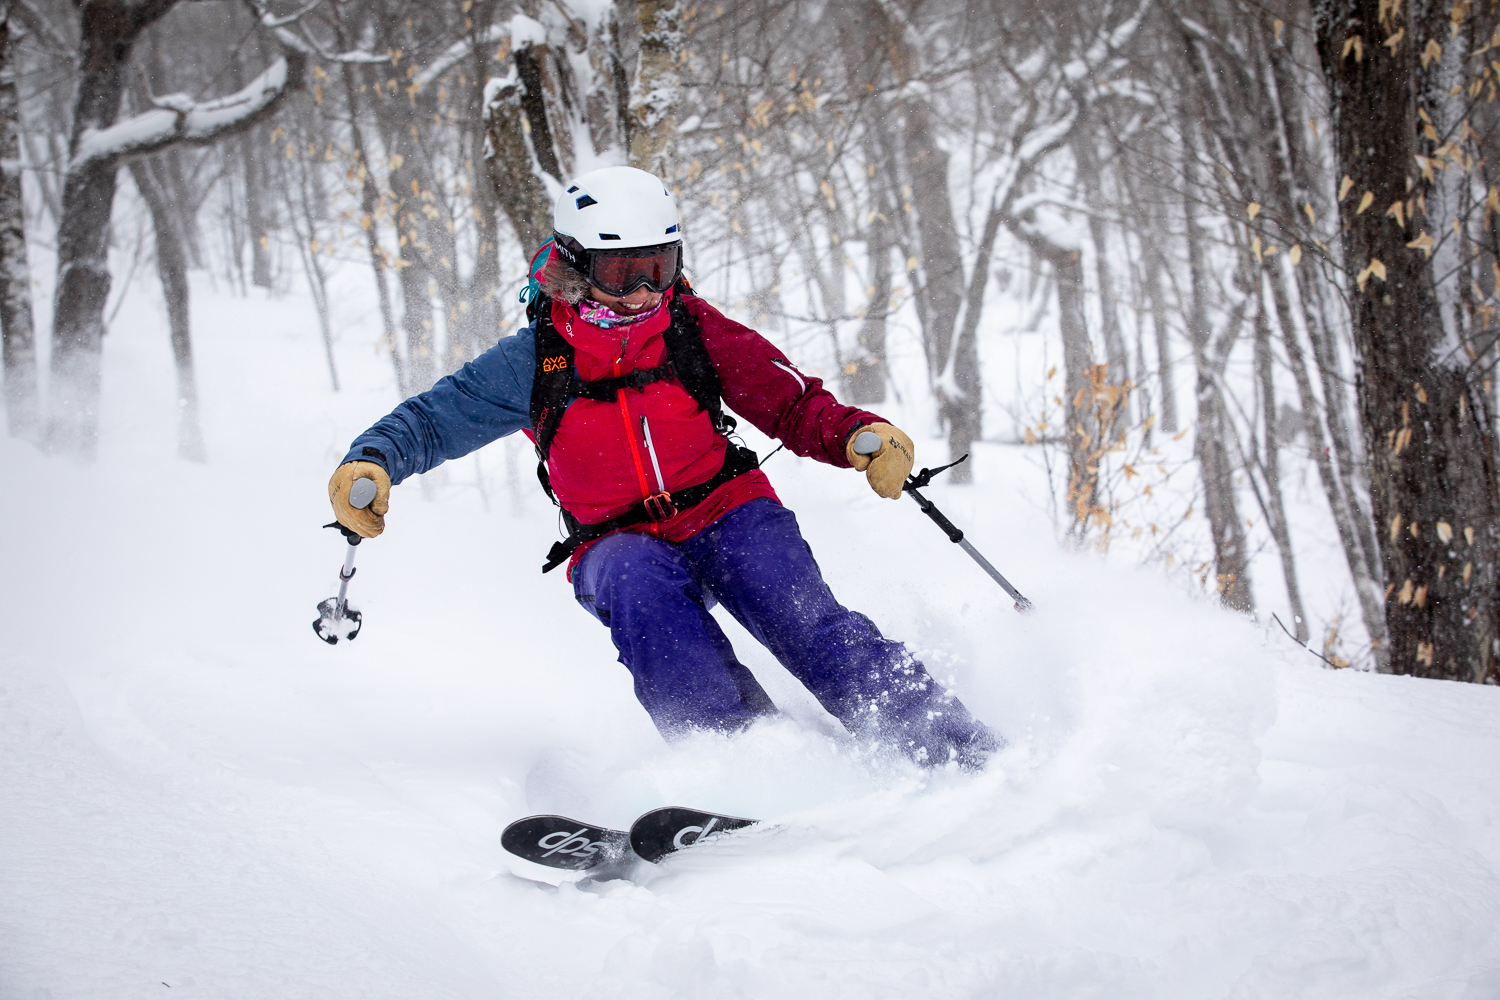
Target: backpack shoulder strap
[
  {"x": 684, "y": 339},
  {"x": 552, "y": 385}
]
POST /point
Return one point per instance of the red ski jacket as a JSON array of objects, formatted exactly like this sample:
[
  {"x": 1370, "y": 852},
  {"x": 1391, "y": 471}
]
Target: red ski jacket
[{"x": 599, "y": 463}]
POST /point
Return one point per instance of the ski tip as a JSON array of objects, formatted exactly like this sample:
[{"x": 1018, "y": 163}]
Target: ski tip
[
  {"x": 669, "y": 829},
  {"x": 561, "y": 842}
]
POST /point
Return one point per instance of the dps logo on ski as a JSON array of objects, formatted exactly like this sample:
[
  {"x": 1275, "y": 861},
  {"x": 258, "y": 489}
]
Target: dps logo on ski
[
  {"x": 679, "y": 840},
  {"x": 575, "y": 844}
]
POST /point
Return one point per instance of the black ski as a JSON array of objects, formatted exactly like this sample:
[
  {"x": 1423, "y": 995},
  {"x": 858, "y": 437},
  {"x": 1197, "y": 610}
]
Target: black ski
[
  {"x": 560, "y": 842},
  {"x": 671, "y": 828}
]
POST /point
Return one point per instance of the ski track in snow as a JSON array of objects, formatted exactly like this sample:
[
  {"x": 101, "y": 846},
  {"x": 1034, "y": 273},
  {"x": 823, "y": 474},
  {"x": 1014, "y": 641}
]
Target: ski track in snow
[{"x": 198, "y": 793}]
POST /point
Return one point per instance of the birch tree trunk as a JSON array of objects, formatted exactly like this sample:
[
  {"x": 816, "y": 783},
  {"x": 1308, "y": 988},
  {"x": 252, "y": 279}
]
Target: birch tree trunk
[
  {"x": 369, "y": 203},
  {"x": 866, "y": 383},
  {"x": 1211, "y": 354},
  {"x": 653, "y": 94},
  {"x": 255, "y": 210},
  {"x": 940, "y": 274},
  {"x": 963, "y": 405},
  {"x": 17, "y": 334},
  {"x": 1275, "y": 507},
  {"x": 1165, "y": 377},
  {"x": 1429, "y": 433},
  {"x": 512, "y": 164},
  {"x": 1344, "y": 512},
  {"x": 1078, "y": 367},
  {"x": 927, "y": 206},
  {"x": 259, "y": 214},
  {"x": 310, "y": 201},
  {"x": 1231, "y": 553},
  {"x": 416, "y": 294},
  {"x": 109, "y": 31},
  {"x": 172, "y": 267},
  {"x": 1090, "y": 179},
  {"x": 481, "y": 323}
]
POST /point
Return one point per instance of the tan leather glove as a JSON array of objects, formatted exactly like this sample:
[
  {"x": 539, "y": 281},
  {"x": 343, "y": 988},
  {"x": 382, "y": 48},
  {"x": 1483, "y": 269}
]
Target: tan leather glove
[
  {"x": 370, "y": 521},
  {"x": 887, "y": 468}
]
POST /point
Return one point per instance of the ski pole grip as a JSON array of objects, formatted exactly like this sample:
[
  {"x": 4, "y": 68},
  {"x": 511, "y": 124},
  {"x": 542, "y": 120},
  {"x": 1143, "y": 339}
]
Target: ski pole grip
[
  {"x": 866, "y": 443},
  {"x": 362, "y": 493}
]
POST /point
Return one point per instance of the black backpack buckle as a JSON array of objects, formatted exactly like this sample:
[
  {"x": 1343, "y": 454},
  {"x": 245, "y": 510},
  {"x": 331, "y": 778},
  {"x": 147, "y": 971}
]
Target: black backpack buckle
[
  {"x": 660, "y": 506},
  {"x": 642, "y": 377}
]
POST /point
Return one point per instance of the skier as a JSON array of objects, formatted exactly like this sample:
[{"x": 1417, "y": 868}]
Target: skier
[{"x": 620, "y": 381}]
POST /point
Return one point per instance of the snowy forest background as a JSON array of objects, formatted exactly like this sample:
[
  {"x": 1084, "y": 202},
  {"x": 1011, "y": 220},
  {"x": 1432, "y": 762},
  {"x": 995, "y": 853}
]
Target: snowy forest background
[
  {"x": 1225, "y": 272},
  {"x": 1207, "y": 289}
]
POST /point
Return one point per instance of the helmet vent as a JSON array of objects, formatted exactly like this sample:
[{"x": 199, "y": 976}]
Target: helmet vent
[
  {"x": 671, "y": 229},
  {"x": 584, "y": 201},
  {"x": 609, "y": 236},
  {"x": 572, "y": 189}
]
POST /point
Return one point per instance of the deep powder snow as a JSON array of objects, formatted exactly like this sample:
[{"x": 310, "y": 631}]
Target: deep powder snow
[{"x": 202, "y": 799}]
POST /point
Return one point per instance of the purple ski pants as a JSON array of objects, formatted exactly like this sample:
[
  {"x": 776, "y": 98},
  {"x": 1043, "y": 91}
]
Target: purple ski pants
[{"x": 655, "y": 598}]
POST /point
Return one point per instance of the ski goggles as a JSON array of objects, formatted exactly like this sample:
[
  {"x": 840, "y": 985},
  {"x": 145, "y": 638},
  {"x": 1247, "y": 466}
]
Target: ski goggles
[{"x": 620, "y": 272}]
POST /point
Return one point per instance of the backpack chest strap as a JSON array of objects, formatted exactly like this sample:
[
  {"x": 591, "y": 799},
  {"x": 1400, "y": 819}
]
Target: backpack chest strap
[
  {"x": 556, "y": 383},
  {"x": 606, "y": 390}
]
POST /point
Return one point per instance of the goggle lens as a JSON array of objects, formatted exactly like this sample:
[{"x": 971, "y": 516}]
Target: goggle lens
[{"x": 621, "y": 275}]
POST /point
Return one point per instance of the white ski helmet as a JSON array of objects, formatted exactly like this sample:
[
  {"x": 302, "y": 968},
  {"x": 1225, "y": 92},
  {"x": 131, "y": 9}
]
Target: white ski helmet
[
  {"x": 619, "y": 228},
  {"x": 613, "y": 208}
]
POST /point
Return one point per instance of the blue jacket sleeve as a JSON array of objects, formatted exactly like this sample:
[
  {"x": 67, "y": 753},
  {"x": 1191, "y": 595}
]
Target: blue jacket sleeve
[{"x": 483, "y": 401}]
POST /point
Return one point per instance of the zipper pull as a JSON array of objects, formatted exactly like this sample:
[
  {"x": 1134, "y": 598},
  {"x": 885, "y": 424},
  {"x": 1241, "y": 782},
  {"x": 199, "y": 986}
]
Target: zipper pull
[
  {"x": 651, "y": 450},
  {"x": 659, "y": 505}
]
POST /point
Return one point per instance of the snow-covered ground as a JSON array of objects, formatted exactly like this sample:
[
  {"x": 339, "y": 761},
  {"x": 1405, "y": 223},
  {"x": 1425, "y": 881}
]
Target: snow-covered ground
[{"x": 198, "y": 798}]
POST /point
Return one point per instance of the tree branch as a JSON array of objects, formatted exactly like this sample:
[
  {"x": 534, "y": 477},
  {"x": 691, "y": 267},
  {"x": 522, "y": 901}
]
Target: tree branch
[
  {"x": 291, "y": 41},
  {"x": 40, "y": 27},
  {"x": 460, "y": 50},
  {"x": 185, "y": 123},
  {"x": 271, "y": 21}
]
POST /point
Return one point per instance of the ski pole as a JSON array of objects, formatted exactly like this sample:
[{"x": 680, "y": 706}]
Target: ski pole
[
  {"x": 335, "y": 611},
  {"x": 868, "y": 442}
]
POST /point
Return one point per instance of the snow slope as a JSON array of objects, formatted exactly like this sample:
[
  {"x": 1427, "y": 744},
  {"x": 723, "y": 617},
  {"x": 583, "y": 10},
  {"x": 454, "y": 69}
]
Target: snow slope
[{"x": 197, "y": 796}]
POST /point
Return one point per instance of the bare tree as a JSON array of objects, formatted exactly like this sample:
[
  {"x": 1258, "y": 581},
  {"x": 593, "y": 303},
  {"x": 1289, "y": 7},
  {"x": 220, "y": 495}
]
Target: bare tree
[
  {"x": 1428, "y": 423},
  {"x": 172, "y": 266},
  {"x": 370, "y": 206},
  {"x": 1266, "y": 460},
  {"x": 17, "y": 335},
  {"x": 98, "y": 145}
]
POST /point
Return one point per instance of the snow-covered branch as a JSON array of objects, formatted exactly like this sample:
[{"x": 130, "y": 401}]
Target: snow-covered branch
[
  {"x": 269, "y": 20},
  {"x": 177, "y": 121},
  {"x": 291, "y": 41},
  {"x": 520, "y": 29}
]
